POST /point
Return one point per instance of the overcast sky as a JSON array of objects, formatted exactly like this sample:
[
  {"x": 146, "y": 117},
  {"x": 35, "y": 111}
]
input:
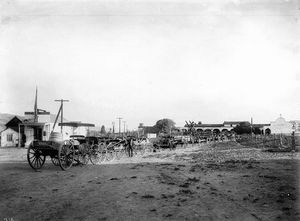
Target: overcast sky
[{"x": 206, "y": 61}]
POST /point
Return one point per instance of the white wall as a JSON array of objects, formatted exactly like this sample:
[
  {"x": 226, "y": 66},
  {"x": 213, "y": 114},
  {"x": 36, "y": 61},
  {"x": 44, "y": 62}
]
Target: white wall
[
  {"x": 280, "y": 126},
  {"x": 28, "y": 131},
  {"x": 15, "y": 138}
]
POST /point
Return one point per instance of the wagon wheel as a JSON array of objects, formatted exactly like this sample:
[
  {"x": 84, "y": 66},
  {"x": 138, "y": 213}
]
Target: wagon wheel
[
  {"x": 66, "y": 155},
  {"x": 54, "y": 160},
  {"x": 94, "y": 155},
  {"x": 120, "y": 153},
  {"x": 84, "y": 154},
  {"x": 110, "y": 155},
  {"x": 97, "y": 156},
  {"x": 35, "y": 157}
]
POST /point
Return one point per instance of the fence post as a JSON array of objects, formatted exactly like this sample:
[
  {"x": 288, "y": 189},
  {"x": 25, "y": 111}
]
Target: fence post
[{"x": 293, "y": 141}]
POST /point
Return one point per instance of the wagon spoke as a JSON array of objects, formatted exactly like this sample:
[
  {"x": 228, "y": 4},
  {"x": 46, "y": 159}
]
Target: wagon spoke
[
  {"x": 32, "y": 151},
  {"x": 40, "y": 160},
  {"x": 35, "y": 162},
  {"x": 38, "y": 163},
  {"x": 31, "y": 157}
]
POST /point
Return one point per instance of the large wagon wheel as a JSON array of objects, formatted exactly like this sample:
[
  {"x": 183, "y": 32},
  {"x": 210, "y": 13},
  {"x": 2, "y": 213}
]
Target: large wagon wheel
[
  {"x": 119, "y": 151},
  {"x": 110, "y": 155},
  {"x": 119, "y": 154},
  {"x": 35, "y": 157},
  {"x": 66, "y": 155},
  {"x": 97, "y": 155}
]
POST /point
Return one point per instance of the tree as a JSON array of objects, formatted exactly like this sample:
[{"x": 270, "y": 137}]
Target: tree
[
  {"x": 102, "y": 130},
  {"x": 243, "y": 128},
  {"x": 165, "y": 125},
  {"x": 191, "y": 127}
]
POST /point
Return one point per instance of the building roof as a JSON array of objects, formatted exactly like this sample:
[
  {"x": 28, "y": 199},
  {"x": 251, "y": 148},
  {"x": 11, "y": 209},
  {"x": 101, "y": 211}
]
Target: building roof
[
  {"x": 235, "y": 122},
  {"x": 14, "y": 121},
  {"x": 209, "y": 125},
  {"x": 76, "y": 124}
]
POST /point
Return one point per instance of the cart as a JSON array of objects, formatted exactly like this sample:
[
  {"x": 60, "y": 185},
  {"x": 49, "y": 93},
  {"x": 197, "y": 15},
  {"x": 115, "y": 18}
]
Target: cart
[{"x": 62, "y": 153}]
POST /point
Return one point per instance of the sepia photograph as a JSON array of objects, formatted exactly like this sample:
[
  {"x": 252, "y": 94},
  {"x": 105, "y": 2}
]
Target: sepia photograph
[{"x": 137, "y": 110}]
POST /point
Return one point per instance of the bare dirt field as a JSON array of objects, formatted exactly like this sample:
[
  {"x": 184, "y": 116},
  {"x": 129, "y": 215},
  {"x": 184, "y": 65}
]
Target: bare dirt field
[{"x": 222, "y": 181}]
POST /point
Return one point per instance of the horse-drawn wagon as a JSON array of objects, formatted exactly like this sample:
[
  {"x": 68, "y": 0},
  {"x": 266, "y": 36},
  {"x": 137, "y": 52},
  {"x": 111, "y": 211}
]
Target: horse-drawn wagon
[{"x": 62, "y": 153}]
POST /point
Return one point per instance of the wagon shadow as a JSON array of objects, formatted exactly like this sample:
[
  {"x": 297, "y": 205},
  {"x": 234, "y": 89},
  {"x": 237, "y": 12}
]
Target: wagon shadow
[{"x": 18, "y": 166}]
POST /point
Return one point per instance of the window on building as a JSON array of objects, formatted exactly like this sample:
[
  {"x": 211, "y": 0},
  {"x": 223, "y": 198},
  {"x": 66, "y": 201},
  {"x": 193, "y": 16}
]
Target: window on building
[{"x": 9, "y": 137}]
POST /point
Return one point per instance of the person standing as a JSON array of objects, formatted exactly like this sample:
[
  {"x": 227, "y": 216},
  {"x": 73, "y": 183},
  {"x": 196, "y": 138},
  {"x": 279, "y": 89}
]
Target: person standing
[{"x": 130, "y": 147}]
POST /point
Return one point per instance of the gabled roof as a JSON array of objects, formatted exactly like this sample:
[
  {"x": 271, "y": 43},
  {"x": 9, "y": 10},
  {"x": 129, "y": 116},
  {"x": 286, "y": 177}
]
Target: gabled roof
[{"x": 14, "y": 121}]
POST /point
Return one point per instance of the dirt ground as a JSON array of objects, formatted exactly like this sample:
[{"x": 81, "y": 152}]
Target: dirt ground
[{"x": 222, "y": 181}]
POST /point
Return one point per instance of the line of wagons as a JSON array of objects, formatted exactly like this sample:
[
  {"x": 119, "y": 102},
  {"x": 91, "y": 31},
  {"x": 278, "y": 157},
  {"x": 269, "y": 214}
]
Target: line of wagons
[{"x": 80, "y": 150}]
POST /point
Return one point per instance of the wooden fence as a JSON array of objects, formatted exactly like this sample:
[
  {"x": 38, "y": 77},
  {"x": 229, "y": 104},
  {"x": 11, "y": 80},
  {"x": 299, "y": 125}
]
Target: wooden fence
[{"x": 278, "y": 141}]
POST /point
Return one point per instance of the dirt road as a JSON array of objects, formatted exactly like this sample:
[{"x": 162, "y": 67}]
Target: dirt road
[{"x": 224, "y": 182}]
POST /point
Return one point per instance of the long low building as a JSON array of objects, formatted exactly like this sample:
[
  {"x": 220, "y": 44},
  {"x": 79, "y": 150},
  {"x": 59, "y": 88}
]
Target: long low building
[
  {"x": 279, "y": 126},
  {"x": 225, "y": 127}
]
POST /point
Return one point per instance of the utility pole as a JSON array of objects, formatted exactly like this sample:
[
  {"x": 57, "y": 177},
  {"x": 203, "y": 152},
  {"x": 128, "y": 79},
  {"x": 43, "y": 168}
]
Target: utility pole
[
  {"x": 124, "y": 122},
  {"x": 119, "y": 118},
  {"x": 61, "y": 114}
]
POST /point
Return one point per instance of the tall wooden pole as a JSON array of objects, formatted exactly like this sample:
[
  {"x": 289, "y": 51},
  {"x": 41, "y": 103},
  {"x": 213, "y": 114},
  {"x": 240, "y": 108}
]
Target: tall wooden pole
[{"x": 124, "y": 122}]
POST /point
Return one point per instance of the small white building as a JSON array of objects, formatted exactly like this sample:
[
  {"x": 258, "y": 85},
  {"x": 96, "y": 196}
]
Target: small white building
[
  {"x": 9, "y": 138},
  {"x": 10, "y": 134},
  {"x": 282, "y": 126}
]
